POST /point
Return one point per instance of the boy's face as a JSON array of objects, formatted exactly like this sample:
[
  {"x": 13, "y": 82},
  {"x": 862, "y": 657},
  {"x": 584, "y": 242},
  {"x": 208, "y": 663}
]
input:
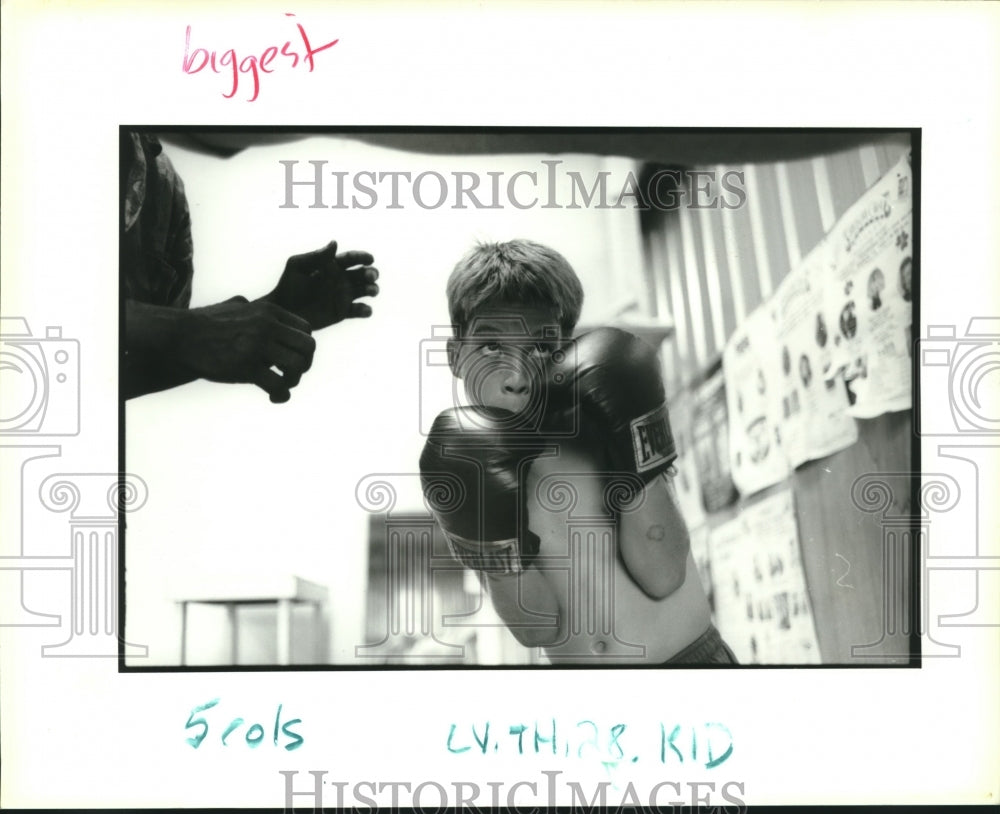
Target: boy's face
[{"x": 501, "y": 357}]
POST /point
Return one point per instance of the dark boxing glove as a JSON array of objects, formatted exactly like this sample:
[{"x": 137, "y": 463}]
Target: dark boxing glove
[
  {"x": 611, "y": 379},
  {"x": 471, "y": 471}
]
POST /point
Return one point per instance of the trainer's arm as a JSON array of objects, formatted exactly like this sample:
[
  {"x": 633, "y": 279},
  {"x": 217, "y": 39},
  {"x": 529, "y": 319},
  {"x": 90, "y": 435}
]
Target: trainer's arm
[
  {"x": 518, "y": 600},
  {"x": 149, "y": 365},
  {"x": 234, "y": 341},
  {"x": 654, "y": 540}
]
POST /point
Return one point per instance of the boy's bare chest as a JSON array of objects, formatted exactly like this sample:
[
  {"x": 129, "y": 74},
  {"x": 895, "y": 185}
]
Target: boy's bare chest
[
  {"x": 604, "y": 614},
  {"x": 565, "y": 497}
]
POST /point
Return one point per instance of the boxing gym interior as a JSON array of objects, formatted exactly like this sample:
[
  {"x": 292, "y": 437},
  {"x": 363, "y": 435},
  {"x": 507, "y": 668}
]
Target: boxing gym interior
[{"x": 773, "y": 273}]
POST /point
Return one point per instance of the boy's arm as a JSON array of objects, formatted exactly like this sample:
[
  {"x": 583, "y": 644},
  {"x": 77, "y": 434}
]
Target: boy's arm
[
  {"x": 472, "y": 478},
  {"x": 614, "y": 379},
  {"x": 653, "y": 539},
  {"x": 519, "y": 600}
]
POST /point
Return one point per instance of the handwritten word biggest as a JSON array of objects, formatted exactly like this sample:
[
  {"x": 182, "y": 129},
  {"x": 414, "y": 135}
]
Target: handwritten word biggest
[
  {"x": 228, "y": 63},
  {"x": 254, "y": 734}
]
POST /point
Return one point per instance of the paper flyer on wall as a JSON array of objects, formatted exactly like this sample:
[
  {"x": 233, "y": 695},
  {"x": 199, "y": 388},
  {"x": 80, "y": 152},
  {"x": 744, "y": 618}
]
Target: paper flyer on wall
[
  {"x": 701, "y": 551},
  {"x": 761, "y": 600},
  {"x": 868, "y": 295},
  {"x": 710, "y": 436},
  {"x": 687, "y": 482},
  {"x": 753, "y": 380},
  {"x": 687, "y": 487},
  {"x": 813, "y": 421}
]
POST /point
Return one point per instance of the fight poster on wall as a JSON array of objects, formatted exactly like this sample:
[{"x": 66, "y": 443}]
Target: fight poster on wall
[
  {"x": 813, "y": 421},
  {"x": 687, "y": 483},
  {"x": 710, "y": 436},
  {"x": 868, "y": 295},
  {"x": 702, "y": 554},
  {"x": 753, "y": 382},
  {"x": 761, "y": 602}
]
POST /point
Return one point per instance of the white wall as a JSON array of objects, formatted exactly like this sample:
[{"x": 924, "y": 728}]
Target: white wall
[{"x": 238, "y": 483}]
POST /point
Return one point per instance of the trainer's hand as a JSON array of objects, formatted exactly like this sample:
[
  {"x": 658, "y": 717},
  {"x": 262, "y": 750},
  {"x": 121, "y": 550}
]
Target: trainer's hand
[
  {"x": 322, "y": 286},
  {"x": 240, "y": 341}
]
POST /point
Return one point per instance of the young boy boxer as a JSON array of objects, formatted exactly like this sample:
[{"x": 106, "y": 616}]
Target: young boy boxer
[{"x": 559, "y": 472}]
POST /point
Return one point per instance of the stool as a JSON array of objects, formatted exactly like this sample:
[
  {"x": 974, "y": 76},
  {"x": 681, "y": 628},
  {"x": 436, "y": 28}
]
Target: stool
[{"x": 235, "y": 590}]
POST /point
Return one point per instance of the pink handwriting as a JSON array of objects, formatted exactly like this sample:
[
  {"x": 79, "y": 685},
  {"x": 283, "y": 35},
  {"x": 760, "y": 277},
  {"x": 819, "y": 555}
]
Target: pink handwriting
[{"x": 227, "y": 62}]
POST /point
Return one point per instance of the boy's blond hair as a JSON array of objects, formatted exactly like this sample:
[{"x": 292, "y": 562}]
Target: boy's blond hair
[{"x": 518, "y": 271}]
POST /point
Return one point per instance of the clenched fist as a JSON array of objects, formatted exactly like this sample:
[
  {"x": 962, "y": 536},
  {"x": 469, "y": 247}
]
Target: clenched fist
[{"x": 240, "y": 341}]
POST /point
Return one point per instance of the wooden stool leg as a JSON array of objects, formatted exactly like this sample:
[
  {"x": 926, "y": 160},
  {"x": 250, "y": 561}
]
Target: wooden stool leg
[
  {"x": 234, "y": 632},
  {"x": 184, "y": 629},
  {"x": 319, "y": 653},
  {"x": 284, "y": 631}
]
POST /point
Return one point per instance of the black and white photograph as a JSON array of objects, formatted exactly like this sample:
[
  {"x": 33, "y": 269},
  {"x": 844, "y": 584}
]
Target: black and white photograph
[
  {"x": 406, "y": 398},
  {"x": 475, "y": 405}
]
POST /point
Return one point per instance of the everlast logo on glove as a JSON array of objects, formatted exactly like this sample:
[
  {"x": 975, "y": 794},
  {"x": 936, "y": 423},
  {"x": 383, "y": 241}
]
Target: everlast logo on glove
[{"x": 652, "y": 440}]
